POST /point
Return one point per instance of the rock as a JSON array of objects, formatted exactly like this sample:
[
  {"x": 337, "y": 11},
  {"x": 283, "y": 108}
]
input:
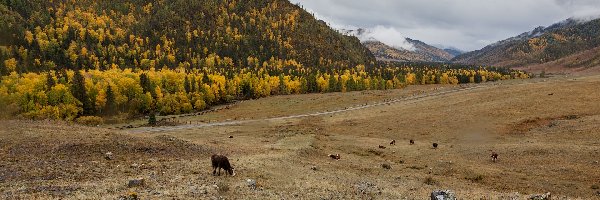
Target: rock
[
  {"x": 545, "y": 196},
  {"x": 366, "y": 188},
  {"x": 108, "y": 155},
  {"x": 386, "y": 166},
  {"x": 443, "y": 195},
  {"x": 204, "y": 189},
  {"x": 314, "y": 168},
  {"x": 136, "y": 182},
  {"x": 231, "y": 136},
  {"x": 251, "y": 183}
]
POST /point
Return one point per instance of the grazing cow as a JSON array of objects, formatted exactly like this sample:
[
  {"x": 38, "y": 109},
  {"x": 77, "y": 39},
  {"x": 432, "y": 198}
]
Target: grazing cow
[
  {"x": 381, "y": 147},
  {"x": 335, "y": 157},
  {"x": 435, "y": 145},
  {"x": 221, "y": 162},
  {"x": 412, "y": 142},
  {"x": 393, "y": 142},
  {"x": 494, "y": 156}
]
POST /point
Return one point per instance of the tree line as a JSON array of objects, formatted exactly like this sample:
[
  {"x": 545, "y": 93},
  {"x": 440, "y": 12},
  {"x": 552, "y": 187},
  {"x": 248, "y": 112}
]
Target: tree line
[{"x": 68, "y": 94}]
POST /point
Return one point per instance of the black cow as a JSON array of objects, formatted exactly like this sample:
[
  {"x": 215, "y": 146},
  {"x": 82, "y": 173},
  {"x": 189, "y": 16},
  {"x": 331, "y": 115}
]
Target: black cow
[
  {"x": 221, "y": 162},
  {"x": 494, "y": 156}
]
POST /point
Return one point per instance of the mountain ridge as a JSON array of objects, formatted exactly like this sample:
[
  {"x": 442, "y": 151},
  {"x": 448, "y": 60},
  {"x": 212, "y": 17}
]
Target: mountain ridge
[
  {"x": 540, "y": 45},
  {"x": 410, "y": 51}
]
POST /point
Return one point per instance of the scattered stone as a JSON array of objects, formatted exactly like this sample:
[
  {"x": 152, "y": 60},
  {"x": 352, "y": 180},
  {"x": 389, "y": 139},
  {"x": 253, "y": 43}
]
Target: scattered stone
[
  {"x": 251, "y": 183},
  {"x": 443, "y": 195},
  {"x": 136, "y": 183},
  {"x": 545, "y": 196},
  {"x": 204, "y": 189},
  {"x": 314, "y": 168},
  {"x": 386, "y": 166},
  {"x": 130, "y": 196},
  {"x": 108, "y": 155},
  {"x": 366, "y": 188}
]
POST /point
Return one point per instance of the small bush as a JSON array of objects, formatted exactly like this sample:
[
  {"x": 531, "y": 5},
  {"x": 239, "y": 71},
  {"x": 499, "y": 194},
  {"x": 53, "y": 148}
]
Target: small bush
[
  {"x": 152, "y": 119},
  {"x": 386, "y": 166},
  {"x": 129, "y": 196},
  {"x": 475, "y": 178},
  {"x": 90, "y": 120},
  {"x": 416, "y": 167},
  {"x": 375, "y": 152},
  {"x": 223, "y": 187},
  {"x": 430, "y": 181}
]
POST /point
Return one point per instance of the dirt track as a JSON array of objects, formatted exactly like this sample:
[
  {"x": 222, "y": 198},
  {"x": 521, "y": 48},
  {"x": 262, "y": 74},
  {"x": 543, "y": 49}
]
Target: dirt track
[{"x": 545, "y": 130}]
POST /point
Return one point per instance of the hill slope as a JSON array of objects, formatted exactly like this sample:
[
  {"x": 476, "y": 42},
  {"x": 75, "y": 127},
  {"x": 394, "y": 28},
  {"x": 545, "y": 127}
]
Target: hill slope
[
  {"x": 44, "y": 35},
  {"x": 538, "y": 46},
  {"x": 585, "y": 62}
]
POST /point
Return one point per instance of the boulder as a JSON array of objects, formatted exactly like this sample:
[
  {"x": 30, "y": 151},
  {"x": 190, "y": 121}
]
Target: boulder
[
  {"x": 136, "y": 182},
  {"x": 251, "y": 183},
  {"x": 108, "y": 155},
  {"x": 443, "y": 195},
  {"x": 545, "y": 196}
]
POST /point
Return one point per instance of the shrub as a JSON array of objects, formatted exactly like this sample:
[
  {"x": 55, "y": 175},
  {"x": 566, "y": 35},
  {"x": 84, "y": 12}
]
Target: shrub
[
  {"x": 430, "y": 181},
  {"x": 152, "y": 119},
  {"x": 90, "y": 120}
]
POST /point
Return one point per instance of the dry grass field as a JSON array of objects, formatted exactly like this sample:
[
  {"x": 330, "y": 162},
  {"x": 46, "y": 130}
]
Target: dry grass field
[{"x": 546, "y": 132}]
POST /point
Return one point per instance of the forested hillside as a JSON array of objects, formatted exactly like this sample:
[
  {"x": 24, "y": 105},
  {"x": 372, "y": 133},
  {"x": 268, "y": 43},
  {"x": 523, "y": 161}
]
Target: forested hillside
[
  {"x": 86, "y": 34},
  {"x": 541, "y": 45},
  {"x": 67, "y": 59}
]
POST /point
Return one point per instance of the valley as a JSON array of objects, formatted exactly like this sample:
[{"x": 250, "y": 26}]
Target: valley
[{"x": 546, "y": 143}]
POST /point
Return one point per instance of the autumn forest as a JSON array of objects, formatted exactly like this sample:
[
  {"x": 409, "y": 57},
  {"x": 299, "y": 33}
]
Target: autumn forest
[{"x": 67, "y": 59}]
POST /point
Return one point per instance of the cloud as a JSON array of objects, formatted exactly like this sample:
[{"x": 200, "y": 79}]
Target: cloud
[
  {"x": 466, "y": 24},
  {"x": 389, "y": 36}
]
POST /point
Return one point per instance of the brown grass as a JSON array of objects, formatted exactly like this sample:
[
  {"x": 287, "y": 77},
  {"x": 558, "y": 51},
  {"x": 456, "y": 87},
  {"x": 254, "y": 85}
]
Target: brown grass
[{"x": 556, "y": 148}]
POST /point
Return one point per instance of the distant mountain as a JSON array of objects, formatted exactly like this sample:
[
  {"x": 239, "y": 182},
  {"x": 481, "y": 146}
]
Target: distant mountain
[
  {"x": 541, "y": 45},
  {"x": 454, "y": 52},
  {"x": 411, "y": 51}
]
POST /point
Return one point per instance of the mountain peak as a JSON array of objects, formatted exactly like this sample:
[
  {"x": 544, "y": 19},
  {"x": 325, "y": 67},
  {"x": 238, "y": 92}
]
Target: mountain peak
[{"x": 400, "y": 48}]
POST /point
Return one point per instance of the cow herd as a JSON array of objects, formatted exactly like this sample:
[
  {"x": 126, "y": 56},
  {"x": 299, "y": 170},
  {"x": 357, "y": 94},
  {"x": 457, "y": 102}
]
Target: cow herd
[{"x": 222, "y": 162}]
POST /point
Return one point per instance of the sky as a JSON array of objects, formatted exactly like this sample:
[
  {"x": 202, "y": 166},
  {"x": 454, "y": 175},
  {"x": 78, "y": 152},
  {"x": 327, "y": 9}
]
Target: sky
[{"x": 464, "y": 24}]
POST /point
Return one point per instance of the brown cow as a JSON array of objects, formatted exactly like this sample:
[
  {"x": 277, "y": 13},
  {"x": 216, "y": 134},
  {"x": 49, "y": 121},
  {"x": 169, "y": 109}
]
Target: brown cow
[
  {"x": 393, "y": 142},
  {"x": 412, "y": 142},
  {"x": 435, "y": 145},
  {"x": 381, "y": 147},
  {"x": 221, "y": 162}
]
